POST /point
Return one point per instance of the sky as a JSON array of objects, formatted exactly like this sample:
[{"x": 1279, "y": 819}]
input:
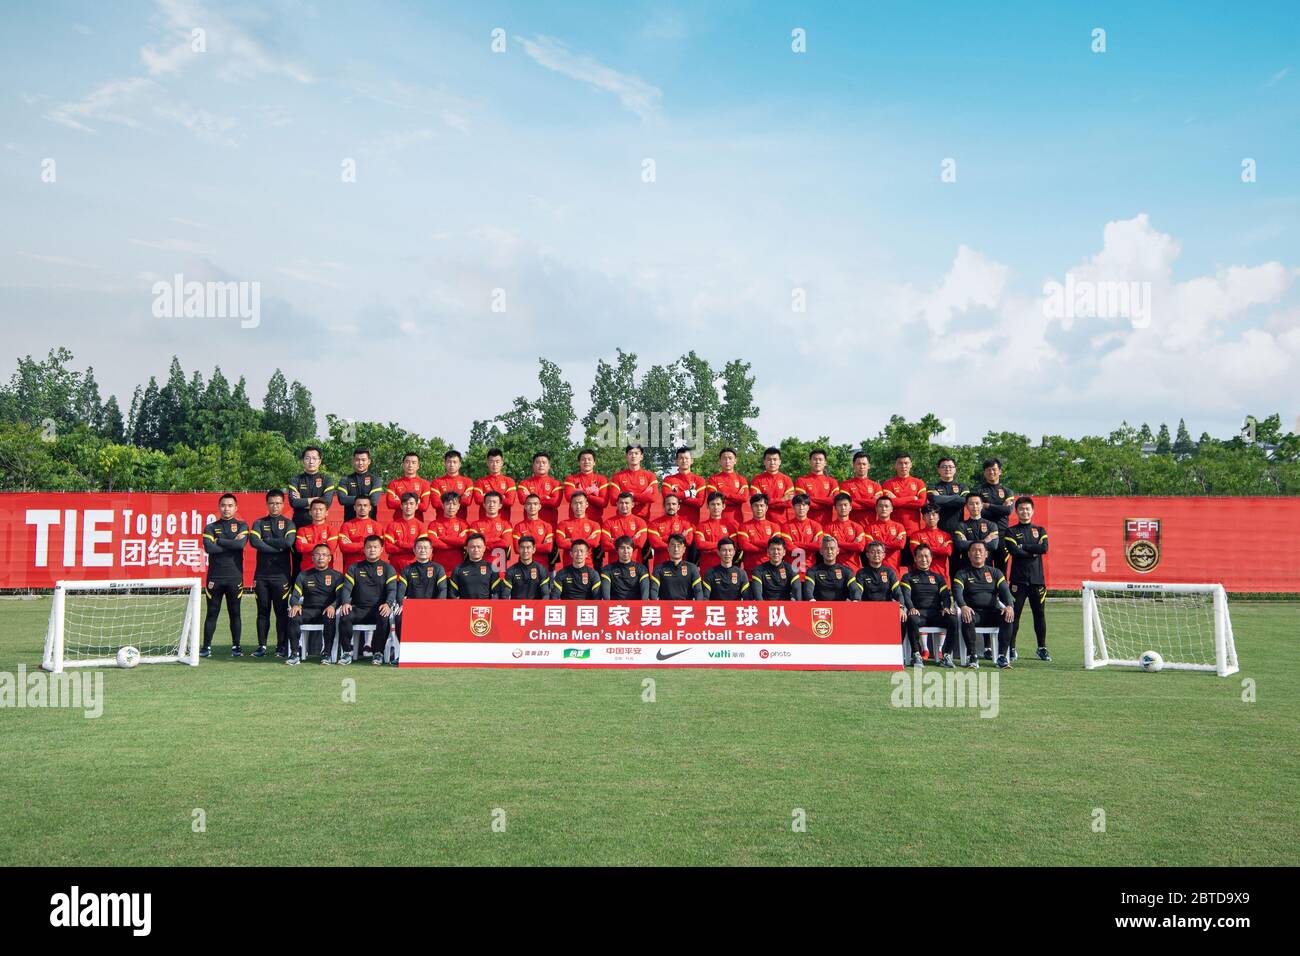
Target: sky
[{"x": 869, "y": 204}]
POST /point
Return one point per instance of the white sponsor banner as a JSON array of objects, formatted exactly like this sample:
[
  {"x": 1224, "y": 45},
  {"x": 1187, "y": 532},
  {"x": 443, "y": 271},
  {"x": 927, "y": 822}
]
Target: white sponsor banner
[{"x": 578, "y": 654}]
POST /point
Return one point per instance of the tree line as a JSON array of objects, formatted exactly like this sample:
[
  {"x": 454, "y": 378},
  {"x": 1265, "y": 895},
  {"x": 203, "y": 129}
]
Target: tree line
[{"x": 190, "y": 433}]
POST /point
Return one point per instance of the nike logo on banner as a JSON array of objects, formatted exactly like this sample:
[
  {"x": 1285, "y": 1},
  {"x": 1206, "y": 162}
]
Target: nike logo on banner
[{"x": 661, "y": 656}]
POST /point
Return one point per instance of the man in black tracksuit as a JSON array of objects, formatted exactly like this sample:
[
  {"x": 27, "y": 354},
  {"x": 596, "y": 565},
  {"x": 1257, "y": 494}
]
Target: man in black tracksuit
[
  {"x": 676, "y": 579},
  {"x": 828, "y": 580},
  {"x": 527, "y": 579},
  {"x": 311, "y": 484},
  {"x": 774, "y": 580},
  {"x": 625, "y": 579},
  {"x": 314, "y": 600},
  {"x": 984, "y": 600},
  {"x": 878, "y": 582},
  {"x": 272, "y": 538},
  {"x": 726, "y": 581},
  {"x": 360, "y": 484},
  {"x": 224, "y": 541},
  {"x": 579, "y": 581},
  {"x": 473, "y": 578},
  {"x": 1027, "y": 543},
  {"x": 930, "y": 603},
  {"x": 948, "y": 496},
  {"x": 368, "y": 596},
  {"x": 997, "y": 506},
  {"x": 976, "y": 528}
]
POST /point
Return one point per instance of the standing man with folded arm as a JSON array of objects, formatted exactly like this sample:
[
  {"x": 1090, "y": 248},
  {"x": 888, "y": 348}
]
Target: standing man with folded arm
[
  {"x": 1027, "y": 543},
  {"x": 272, "y": 537},
  {"x": 224, "y": 541}
]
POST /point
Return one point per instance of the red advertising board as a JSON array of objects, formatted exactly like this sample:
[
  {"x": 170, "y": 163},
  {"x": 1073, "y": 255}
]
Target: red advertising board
[
  {"x": 780, "y": 635},
  {"x": 1243, "y": 543}
]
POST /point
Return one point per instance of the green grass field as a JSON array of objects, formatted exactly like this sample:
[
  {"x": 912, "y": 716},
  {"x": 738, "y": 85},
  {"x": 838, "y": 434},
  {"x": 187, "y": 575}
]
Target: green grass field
[{"x": 287, "y": 773}]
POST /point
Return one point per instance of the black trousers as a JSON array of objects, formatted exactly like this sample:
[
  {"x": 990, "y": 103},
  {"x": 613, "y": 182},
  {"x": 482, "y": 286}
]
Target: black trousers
[
  {"x": 216, "y": 592},
  {"x": 364, "y": 615},
  {"x": 932, "y": 617},
  {"x": 1036, "y": 595},
  {"x": 988, "y": 617},
  {"x": 310, "y": 616},
  {"x": 272, "y": 595}
]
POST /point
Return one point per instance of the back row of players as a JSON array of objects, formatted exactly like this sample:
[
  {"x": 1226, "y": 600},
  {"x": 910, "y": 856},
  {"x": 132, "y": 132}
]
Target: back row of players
[{"x": 809, "y": 538}]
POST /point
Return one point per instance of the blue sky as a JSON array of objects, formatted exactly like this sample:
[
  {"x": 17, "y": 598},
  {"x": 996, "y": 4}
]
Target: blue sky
[{"x": 774, "y": 171}]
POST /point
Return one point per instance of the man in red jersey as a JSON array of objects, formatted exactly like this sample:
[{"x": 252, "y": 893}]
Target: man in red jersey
[
  {"x": 595, "y": 486},
  {"x": 401, "y": 533},
  {"x": 640, "y": 481},
  {"x": 909, "y": 493},
  {"x": 548, "y": 489},
  {"x": 863, "y": 490},
  {"x": 496, "y": 480},
  {"x": 352, "y": 534},
  {"x": 577, "y": 527},
  {"x": 733, "y": 487},
  {"x": 821, "y": 489},
  {"x": 624, "y": 523},
  {"x": 939, "y": 541},
  {"x": 687, "y": 486},
  {"x": 452, "y": 480},
  {"x": 778, "y": 486},
  {"x": 498, "y": 535},
  {"x": 318, "y": 532},
  {"x": 449, "y": 532},
  {"x": 410, "y": 481},
  {"x": 712, "y": 530},
  {"x": 755, "y": 534},
  {"x": 803, "y": 533},
  {"x": 888, "y": 532},
  {"x": 852, "y": 537},
  {"x": 669, "y": 523},
  {"x": 543, "y": 534}
]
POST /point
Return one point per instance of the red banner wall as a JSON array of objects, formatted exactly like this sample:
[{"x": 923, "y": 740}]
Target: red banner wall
[{"x": 51, "y": 536}]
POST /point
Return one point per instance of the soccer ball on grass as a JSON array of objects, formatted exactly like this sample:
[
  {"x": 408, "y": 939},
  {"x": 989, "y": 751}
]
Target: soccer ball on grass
[
  {"x": 128, "y": 656},
  {"x": 1151, "y": 661}
]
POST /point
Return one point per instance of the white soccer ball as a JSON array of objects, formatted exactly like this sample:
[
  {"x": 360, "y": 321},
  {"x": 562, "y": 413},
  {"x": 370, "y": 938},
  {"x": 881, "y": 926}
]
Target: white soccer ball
[
  {"x": 128, "y": 656},
  {"x": 1151, "y": 661}
]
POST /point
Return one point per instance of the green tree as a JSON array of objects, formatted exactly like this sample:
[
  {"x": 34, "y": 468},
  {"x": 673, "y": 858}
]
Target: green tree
[
  {"x": 1163, "y": 443},
  {"x": 1183, "y": 445}
]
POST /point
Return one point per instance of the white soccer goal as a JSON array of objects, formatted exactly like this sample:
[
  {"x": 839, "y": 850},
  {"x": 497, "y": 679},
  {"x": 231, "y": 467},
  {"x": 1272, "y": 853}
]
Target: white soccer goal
[
  {"x": 91, "y": 620},
  {"x": 1187, "y": 624}
]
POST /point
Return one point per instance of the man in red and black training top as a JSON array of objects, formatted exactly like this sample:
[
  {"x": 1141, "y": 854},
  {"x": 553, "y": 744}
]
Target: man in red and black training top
[
  {"x": 671, "y": 522},
  {"x": 862, "y": 489},
  {"x": 712, "y": 530},
  {"x": 640, "y": 481},
  {"x": 410, "y": 481},
  {"x": 733, "y": 487},
  {"x": 402, "y": 532},
  {"x": 533, "y": 526},
  {"x": 851, "y": 536},
  {"x": 498, "y": 535},
  {"x": 318, "y": 532},
  {"x": 496, "y": 480},
  {"x": 548, "y": 489},
  {"x": 820, "y": 487},
  {"x": 778, "y": 486},
  {"x": 624, "y": 524},
  {"x": 352, "y": 534},
  {"x": 888, "y": 532},
  {"x": 803, "y": 534},
  {"x": 362, "y": 483},
  {"x": 756, "y": 533},
  {"x": 450, "y": 532},
  {"x": 576, "y": 528},
  {"x": 908, "y": 493},
  {"x": 592, "y": 484},
  {"x": 687, "y": 486},
  {"x": 931, "y": 535},
  {"x": 224, "y": 541},
  {"x": 452, "y": 480}
]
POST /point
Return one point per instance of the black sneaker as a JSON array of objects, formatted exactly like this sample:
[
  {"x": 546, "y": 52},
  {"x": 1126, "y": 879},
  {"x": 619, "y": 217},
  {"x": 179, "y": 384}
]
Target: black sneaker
[
  {"x": 377, "y": 660},
  {"x": 260, "y": 652},
  {"x": 946, "y": 661},
  {"x": 205, "y": 652},
  {"x": 1043, "y": 655},
  {"x": 367, "y": 653},
  {"x": 988, "y": 653},
  {"x": 325, "y": 659},
  {"x": 1014, "y": 656},
  {"x": 281, "y": 652},
  {"x": 236, "y": 652},
  {"x": 1003, "y": 663},
  {"x": 293, "y": 659}
]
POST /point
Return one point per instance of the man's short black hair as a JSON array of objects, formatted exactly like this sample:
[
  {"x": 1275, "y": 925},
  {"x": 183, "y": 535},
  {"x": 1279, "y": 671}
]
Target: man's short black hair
[
  {"x": 684, "y": 450},
  {"x": 777, "y": 539},
  {"x": 494, "y": 453},
  {"x": 227, "y": 495},
  {"x": 818, "y": 451},
  {"x": 973, "y": 494},
  {"x": 630, "y": 447},
  {"x": 587, "y": 451},
  {"x": 541, "y": 454},
  {"x": 861, "y": 454},
  {"x": 277, "y": 493},
  {"x": 680, "y": 539},
  {"x": 452, "y": 453},
  {"x": 1024, "y": 500},
  {"x": 842, "y": 495},
  {"x": 492, "y": 494},
  {"x": 375, "y": 537},
  {"x": 410, "y": 496},
  {"x": 771, "y": 450},
  {"x": 446, "y": 496},
  {"x": 526, "y": 537},
  {"x": 756, "y": 498},
  {"x": 800, "y": 499},
  {"x": 929, "y": 509},
  {"x": 624, "y": 540},
  {"x": 472, "y": 535},
  {"x": 315, "y": 448},
  {"x": 625, "y": 494},
  {"x": 990, "y": 462},
  {"x": 411, "y": 454},
  {"x": 715, "y": 495},
  {"x": 903, "y": 454},
  {"x": 361, "y": 451},
  {"x": 322, "y": 545},
  {"x": 725, "y": 450},
  {"x": 723, "y": 541},
  {"x": 946, "y": 458}
]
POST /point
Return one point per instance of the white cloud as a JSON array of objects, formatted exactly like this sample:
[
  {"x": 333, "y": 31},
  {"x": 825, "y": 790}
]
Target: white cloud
[{"x": 635, "y": 95}]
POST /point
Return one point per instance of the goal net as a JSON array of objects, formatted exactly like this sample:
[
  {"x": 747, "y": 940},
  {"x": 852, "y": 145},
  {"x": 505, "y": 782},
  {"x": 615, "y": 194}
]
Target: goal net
[
  {"x": 90, "y": 621},
  {"x": 1187, "y": 624}
]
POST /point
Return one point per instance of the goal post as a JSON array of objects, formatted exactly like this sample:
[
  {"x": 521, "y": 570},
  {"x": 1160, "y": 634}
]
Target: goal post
[
  {"x": 90, "y": 621},
  {"x": 1187, "y": 624}
]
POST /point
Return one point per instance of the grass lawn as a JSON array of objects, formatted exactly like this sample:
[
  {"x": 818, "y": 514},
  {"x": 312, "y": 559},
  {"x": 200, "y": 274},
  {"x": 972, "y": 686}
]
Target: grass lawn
[{"x": 711, "y": 772}]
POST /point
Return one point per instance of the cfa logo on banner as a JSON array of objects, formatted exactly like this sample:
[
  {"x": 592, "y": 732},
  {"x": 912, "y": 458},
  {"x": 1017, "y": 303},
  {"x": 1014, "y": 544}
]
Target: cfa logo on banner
[
  {"x": 1142, "y": 543},
  {"x": 822, "y": 622},
  {"x": 480, "y": 621}
]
